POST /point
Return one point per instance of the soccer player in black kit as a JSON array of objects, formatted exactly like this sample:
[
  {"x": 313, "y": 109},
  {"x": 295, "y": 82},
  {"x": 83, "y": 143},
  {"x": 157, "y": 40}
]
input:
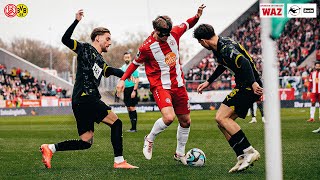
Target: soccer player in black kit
[
  {"x": 233, "y": 56},
  {"x": 86, "y": 104}
]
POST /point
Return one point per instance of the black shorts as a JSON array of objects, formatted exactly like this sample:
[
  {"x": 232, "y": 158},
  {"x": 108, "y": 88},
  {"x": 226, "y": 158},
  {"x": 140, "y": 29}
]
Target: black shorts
[
  {"x": 128, "y": 101},
  {"x": 89, "y": 112},
  {"x": 240, "y": 100}
]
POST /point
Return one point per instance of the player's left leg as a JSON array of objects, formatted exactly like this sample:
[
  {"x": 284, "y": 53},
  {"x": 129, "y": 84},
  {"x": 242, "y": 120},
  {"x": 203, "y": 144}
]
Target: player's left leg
[
  {"x": 133, "y": 118},
  {"x": 116, "y": 139},
  {"x": 180, "y": 101},
  {"x": 253, "y": 114},
  {"x": 318, "y": 100},
  {"x": 260, "y": 106},
  {"x": 183, "y": 131}
]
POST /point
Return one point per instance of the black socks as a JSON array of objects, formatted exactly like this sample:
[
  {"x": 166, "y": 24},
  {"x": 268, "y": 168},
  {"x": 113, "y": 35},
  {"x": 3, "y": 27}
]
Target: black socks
[
  {"x": 72, "y": 145},
  {"x": 239, "y": 142},
  {"x": 133, "y": 118},
  {"x": 116, "y": 137}
]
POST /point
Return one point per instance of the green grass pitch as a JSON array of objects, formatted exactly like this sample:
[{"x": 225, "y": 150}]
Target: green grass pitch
[{"x": 20, "y": 138}]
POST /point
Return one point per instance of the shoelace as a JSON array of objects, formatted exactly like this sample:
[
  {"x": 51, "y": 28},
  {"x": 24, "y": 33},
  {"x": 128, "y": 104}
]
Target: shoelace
[{"x": 149, "y": 146}]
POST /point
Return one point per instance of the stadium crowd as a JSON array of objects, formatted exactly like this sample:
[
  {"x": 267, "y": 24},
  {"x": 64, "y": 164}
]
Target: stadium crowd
[
  {"x": 295, "y": 44},
  {"x": 21, "y": 84}
]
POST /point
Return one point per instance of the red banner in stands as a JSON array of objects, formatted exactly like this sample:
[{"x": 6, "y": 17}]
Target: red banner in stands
[
  {"x": 286, "y": 94},
  {"x": 65, "y": 102},
  {"x": 30, "y": 103},
  {"x": 49, "y": 101}
]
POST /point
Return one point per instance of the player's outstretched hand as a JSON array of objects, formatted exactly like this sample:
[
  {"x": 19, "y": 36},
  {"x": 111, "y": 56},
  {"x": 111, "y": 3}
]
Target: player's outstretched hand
[
  {"x": 257, "y": 89},
  {"x": 120, "y": 87},
  {"x": 79, "y": 14},
  {"x": 200, "y": 9},
  {"x": 202, "y": 86}
]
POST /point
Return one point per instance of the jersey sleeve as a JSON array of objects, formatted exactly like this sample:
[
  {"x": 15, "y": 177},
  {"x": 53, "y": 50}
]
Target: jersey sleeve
[
  {"x": 108, "y": 70},
  {"x": 185, "y": 26},
  {"x": 310, "y": 83},
  {"x": 71, "y": 43}
]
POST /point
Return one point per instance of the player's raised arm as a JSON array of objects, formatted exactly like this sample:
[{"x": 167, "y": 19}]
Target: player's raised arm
[
  {"x": 66, "y": 38},
  {"x": 192, "y": 21},
  {"x": 189, "y": 23}
]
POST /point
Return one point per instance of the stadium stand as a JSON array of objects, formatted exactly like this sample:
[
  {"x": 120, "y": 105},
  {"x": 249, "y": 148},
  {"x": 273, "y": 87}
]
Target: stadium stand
[
  {"x": 293, "y": 47},
  {"x": 21, "y": 84}
]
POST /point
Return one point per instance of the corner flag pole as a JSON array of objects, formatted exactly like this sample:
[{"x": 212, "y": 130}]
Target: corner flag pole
[{"x": 272, "y": 132}]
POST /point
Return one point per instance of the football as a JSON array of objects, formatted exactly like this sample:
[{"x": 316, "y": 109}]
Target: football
[{"x": 195, "y": 157}]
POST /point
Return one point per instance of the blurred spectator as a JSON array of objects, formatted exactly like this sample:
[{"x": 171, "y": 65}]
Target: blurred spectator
[
  {"x": 21, "y": 84},
  {"x": 293, "y": 47}
]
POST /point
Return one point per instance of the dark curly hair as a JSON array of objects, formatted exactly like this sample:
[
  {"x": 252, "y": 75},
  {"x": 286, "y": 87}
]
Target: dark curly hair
[{"x": 204, "y": 31}]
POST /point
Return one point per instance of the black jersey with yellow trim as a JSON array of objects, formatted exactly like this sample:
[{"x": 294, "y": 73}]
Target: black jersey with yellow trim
[
  {"x": 233, "y": 56},
  {"x": 91, "y": 66}
]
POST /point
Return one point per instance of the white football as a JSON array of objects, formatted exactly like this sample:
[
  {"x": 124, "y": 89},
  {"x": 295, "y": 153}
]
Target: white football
[{"x": 195, "y": 157}]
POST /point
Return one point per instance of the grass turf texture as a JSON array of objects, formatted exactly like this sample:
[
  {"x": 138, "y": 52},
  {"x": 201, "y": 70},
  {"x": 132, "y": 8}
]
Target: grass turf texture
[{"x": 20, "y": 138}]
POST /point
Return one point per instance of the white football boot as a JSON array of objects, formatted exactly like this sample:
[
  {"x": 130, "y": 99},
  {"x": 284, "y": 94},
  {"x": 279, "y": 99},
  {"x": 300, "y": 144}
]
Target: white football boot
[
  {"x": 182, "y": 159},
  {"x": 147, "y": 148},
  {"x": 316, "y": 131},
  {"x": 249, "y": 157},
  {"x": 254, "y": 120},
  {"x": 236, "y": 167}
]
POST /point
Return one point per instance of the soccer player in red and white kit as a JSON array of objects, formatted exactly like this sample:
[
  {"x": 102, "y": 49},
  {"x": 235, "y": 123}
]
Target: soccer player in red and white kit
[
  {"x": 160, "y": 54},
  {"x": 314, "y": 88}
]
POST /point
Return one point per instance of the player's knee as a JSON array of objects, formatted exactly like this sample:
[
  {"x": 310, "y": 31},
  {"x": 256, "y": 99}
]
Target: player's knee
[
  {"x": 117, "y": 123},
  {"x": 168, "y": 118},
  {"x": 219, "y": 119},
  {"x": 185, "y": 124}
]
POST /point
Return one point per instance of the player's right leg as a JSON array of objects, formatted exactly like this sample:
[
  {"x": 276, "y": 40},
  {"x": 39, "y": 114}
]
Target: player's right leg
[
  {"x": 133, "y": 118},
  {"x": 233, "y": 104},
  {"x": 115, "y": 124},
  {"x": 253, "y": 114},
  {"x": 164, "y": 102},
  {"x": 313, "y": 107},
  {"x": 160, "y": 125},
  {"x": 85, "y": 128},
  {"x": 47, "y": 150}
]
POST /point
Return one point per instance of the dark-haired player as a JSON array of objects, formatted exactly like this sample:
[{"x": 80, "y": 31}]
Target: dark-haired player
[
  {"x": 233, "y": 56},
  {"x": 130, "y": 94}
]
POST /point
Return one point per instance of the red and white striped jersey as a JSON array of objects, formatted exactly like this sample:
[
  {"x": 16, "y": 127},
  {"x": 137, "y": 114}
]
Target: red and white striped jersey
[
  {"x": 162, "y": 59},
  {"x": 314, "y": 85}
]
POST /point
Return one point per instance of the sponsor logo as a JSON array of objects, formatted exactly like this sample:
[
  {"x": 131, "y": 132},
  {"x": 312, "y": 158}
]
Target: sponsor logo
[
  {"x": 302, "y": 10},
  {"x": 168, "y": 100},
  {"x": 271, "y": 10},
  {"x": 308, "y": 10},
  {"x": 170, "y": 59},
  {"x": 12, "y": 112},
  {"x": 294, "y": 10}
]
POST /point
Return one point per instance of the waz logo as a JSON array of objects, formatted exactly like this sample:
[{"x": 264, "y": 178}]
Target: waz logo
[
  {"x": 11, "y": 10},
  {"x": 271, "y": 10}
]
